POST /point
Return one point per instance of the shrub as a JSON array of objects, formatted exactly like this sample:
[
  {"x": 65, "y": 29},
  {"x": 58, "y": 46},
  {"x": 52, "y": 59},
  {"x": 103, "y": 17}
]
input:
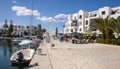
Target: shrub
[
  {"x": 100, "y": 40},
  {"x": 114, "y": 41}
]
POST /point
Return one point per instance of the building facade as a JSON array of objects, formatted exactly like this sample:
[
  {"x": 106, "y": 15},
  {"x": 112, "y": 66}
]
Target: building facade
[
  {"x": 80, "y": 21},
  {"x": 19, "y": 30},
  {"x": 30, "y": 28}
]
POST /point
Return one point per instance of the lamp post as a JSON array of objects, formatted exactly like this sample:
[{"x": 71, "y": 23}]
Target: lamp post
[{"x": 51, "y": 21}]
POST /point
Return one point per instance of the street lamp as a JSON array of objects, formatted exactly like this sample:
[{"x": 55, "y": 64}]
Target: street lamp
[{"x": 51, "y": 21}]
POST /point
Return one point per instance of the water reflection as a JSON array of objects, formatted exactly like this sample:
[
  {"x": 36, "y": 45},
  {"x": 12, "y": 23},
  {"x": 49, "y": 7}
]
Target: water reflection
[{"x": 7, "y": 48}]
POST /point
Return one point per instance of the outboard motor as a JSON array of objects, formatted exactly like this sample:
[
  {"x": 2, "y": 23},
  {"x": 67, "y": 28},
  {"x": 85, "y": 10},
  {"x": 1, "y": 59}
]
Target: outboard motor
[{"x": 20, "y": 57}]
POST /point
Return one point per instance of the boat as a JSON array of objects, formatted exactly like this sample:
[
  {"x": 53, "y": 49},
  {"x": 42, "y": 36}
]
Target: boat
[
  {"x": 35, "y": 39},
  {"x": 27, "y": 56},
  {"x": 1, "y": 38},
  {"x": 28, "y": 44},
  {"x": 25, "y": 38},
  {"x": 16, "y": 41},
  {"x": 26, "y": 51}
]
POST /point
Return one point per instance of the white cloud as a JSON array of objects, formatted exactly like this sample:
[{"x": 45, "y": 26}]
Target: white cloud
[
  {"x": 45, "y": 19},
  {"x": 60, "y": 20},
  {"x": 60, "y": 16},
  {"x": 23, "y": 11}
]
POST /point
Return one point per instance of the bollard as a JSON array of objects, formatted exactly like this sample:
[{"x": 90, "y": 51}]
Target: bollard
[
  {"x": 39, "y": 51},
  {"x": 52, "y": 45}
]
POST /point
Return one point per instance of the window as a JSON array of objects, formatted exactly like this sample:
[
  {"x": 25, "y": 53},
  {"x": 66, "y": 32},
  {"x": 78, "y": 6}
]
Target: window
[
  {"x": 74, "y": 23},
  {"x": 35, "y": 27},
  {"x": 80, "y": 16},
  {"x": 113, "y": 12},
  {"x": 18, "y": 26},
  {"x": 80, "y": 29},
  {"x": 71, "y": 30},
  {"x": 103, "y": 12},
  {"x": 86, "y": 22},
  {"x": 27, "y": 27},
  {"x": 95, "y": 14}
]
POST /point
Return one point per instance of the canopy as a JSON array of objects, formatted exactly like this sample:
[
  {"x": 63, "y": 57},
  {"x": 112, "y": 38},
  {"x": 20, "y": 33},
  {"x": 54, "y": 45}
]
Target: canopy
[
  {"x": 26, "y": 42},
  {"x": 75, "y": 33},
  {"x": 61, "y": 35}
]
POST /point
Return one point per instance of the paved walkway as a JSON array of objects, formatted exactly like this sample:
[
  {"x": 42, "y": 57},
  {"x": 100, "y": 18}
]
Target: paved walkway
[
  {"x": 80, "y": 56},
  {"x": 41, "y": 59}
]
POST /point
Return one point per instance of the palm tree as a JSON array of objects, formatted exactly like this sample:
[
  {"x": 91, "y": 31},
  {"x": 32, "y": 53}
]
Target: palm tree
[
  {"x": 10, "y": 28},
  {"x": 103, "y": 26},
  {"x": 5, "y": 25},
  {"x": 56, "y": 32},
  {"x": 115, "y": 25}
]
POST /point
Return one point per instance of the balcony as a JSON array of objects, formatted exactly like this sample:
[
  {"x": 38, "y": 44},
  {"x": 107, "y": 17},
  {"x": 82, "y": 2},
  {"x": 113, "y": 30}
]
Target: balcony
[
  {"x": 93, "y": 16},
  {"x": 74, "y": 23}
]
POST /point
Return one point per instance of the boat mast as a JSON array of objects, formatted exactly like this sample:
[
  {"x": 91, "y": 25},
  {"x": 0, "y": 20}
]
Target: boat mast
[{"x": 31, "y": 20}]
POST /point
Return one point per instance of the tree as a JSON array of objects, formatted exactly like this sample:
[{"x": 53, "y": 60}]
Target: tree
[
  {"x": 115, "y": 25},
  {"x": 39, "y": 31},
  {"x": 5, "y": 25},
  {"x": 26, "y": 33},
  {"x": 10, "y": 28},
  {"x": 103, "y": 26},
  {"x": 39, "y": 27},
  {"x": 0, "y": 32},
  {"x": 43, "y": 30},
  {"x": 56, "y": 32},
  {"x": 5, "y": 28}
]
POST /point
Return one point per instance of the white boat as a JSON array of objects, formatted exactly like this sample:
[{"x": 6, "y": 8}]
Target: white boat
[
  {"x": 16, "y": 41},
  {"x": 27, "y": 56},
  {"x": 26, "y": 51},
  {"x": 35, "y": 39},
  {"x": 25, "y": 38},
  {"x": 27, "y": 44},
  {"x": 1, "y": 38}
]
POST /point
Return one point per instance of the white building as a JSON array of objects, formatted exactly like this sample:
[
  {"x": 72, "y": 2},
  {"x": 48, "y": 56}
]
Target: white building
[
  {"x": 30, "y": 28},
  {"x": 80, "y": 21},
  {"x": 18, "y": 30}
]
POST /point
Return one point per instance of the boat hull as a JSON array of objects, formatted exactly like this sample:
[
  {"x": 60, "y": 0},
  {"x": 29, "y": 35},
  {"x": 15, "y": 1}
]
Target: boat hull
[
  {"x": 27, "y": 53},
  {"x": 26, "y": 62}
]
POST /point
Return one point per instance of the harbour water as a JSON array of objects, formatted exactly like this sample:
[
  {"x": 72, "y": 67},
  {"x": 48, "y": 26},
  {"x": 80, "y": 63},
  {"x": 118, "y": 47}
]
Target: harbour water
[{"x": 7, "y": 48}]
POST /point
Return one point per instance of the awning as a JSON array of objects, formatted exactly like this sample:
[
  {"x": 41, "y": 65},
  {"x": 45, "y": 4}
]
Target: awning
[
  {"x": 61, "y": 35},
  {"x": 75, "y": 33}
]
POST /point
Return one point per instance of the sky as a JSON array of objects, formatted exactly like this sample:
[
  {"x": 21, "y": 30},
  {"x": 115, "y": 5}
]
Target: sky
[{"x": 20, "y": 11}]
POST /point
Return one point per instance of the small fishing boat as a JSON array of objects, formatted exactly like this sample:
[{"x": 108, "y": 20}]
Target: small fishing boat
[
  {"x": 1, "y": 38},
  {"x": 26, "y": 59},
  {"x": 35, "y": 39},
  {"x": 28, "y": 44},
  {"x": 16, "y": 41},
  {"x": 25, "y": 54}
]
